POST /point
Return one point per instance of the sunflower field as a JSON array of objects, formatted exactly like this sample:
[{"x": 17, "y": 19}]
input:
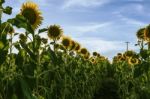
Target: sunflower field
[{"x": 58, "y": 67}]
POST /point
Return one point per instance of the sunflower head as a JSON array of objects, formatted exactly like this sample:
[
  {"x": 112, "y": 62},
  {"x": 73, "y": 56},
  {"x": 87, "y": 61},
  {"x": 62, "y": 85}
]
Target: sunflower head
[
  {"x": 77, "y": 48},
  {"x": 119, "y": 54},
  {"x": 55, "y": 32},
  {"x": 93, "y": 60},
  {"x": 147, "y": 33},
  {"x": 95, "y": 53},
  {"x": 102, "y": 58},
  {"x": 140, "y": 34},
  {"x": 122, "y": 58},
  {"x": 98, "y": 55},
  {"x": 7, "y": 28},
  {"x": 119, "y": 57},
  {"x": 22, "y": 37},
  {"x": 44, "y": 40},
  {"x": 73, "y": 45},
  {"x": 31, "y": 12},
  {"x": 66, "y": 42},
  {"x": 87, "y": 56},
  {"x": 129, "y": 54},
  {"x": 133, "y": 61},
  {"x": 83, "y": 51}
]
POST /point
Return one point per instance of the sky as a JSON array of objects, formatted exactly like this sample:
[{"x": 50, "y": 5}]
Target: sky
[{"x": 99, "y": 25}]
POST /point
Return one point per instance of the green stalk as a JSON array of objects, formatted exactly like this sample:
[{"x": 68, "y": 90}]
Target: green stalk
[
  {"x": 148, "y": 45},
  {"x": 1, "y": 11},
  {"x": 10, "y": 50}
]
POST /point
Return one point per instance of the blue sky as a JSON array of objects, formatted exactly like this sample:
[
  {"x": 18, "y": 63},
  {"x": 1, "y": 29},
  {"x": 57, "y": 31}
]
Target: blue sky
[{"x": 99, "y": 25}]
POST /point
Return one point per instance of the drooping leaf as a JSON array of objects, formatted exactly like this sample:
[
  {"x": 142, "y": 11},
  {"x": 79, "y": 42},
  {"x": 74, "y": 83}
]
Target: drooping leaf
[
  {"x": 42, "y": 30},
  {"x": 20, "y": 22}
]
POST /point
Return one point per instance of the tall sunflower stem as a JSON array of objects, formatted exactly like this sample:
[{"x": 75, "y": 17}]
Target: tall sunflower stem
[
  {"x": 54, "y": 45},
  {"x": 148, "y": 45},
  {"x": 1, "y": 11},
  {"x": 11, "y": 37},
  {"x": 142, "y": 45}
]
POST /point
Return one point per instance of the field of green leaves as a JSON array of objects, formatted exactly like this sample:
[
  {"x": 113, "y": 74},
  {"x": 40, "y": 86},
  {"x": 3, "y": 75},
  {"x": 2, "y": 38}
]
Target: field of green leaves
[{"x": 57, "y": 67}]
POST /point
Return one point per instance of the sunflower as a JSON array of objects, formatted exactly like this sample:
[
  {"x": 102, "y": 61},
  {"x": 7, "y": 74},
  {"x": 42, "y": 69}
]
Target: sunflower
[
  {"x": 77, "y": 48},
  {"x": 140, "y": 34},
  {"x": 129, "y": 54},
  {"x": 87, "y": 56},
  {"x": 44, "y": 40},
  {"x": 119, "y": 54},
  {"x": 95, "y": 53},
  {"x": 7, "y": 28},
  {"x": 23, "y": 37},
  {"x": 55, "y": 32},
  {"x": 98, "y": 55},
  {"x": 122, "y": 58},
  {"x": 31, "y": 12},
  {"x": 73, "y": 45},
  {"x": 147, "y": 33},
  {"x": 102, "y": 58},
  {"x": 119, "y": 57},
  {"x": 92, "y": 60},
  {"x": 66, "y": 42},
  {"x": 83, "y": 51},
  {"x": 133, "y": 61}
]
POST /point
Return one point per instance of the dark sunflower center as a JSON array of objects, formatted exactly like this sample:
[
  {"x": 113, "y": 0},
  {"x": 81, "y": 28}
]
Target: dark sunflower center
[
  {"x": 133, "y": 60},
  {"x": 30, "y": 15},
  {"x": 66, "y": 42},
  {"x": 93, "y": 60},
  {"x": 83, "y": 51},
  {"x": 55, "y": 32},
  {"x": 77, "y": 48},
  {"x": 94, "y": 53},
  {"x": 73, "y": 45}
]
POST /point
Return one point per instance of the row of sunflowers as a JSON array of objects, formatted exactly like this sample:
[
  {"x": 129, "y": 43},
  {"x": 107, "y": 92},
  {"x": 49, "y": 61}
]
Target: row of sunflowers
[{"x": 58, "y": 67}]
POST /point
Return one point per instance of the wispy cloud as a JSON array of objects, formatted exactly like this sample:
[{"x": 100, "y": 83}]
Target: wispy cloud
[
  {"x": 87, "y": 28},
  {"x": 128, "y": 20},
  {"x": 84, "y": 3},
  {"x": 133, "y": 21}
]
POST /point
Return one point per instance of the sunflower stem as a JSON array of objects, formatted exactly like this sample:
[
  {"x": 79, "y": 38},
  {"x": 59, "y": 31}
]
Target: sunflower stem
[
  {"x": 1, "y": 11},
  {"x": 54, "y": 45},
  {"x": 148, "y": 45},
  {"x": 142, "y": 45}
]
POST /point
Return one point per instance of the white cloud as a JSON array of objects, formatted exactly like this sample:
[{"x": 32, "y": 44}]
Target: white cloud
[
  {"x": 128, "y": 20},
  {"x": 90, "y": 27},
  {"x": 84, "y": 3},
  {"x": 133, "y": 21}
]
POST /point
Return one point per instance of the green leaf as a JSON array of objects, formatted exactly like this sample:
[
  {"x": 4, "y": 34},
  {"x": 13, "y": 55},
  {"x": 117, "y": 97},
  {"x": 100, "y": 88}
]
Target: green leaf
[
  {"x": 20, "y": 22},
  {"x": 26, "y": 89},
  {"x": 42, "y": 30},
  {"x": 17, "y": 46},
  {"x": 16, "y": 34},
  {"x": 53, "y": 56},
  {"x": 8, "y": 10},
  {"x": 28, "y": 50},
  {"x": 2, "y": 1}
]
